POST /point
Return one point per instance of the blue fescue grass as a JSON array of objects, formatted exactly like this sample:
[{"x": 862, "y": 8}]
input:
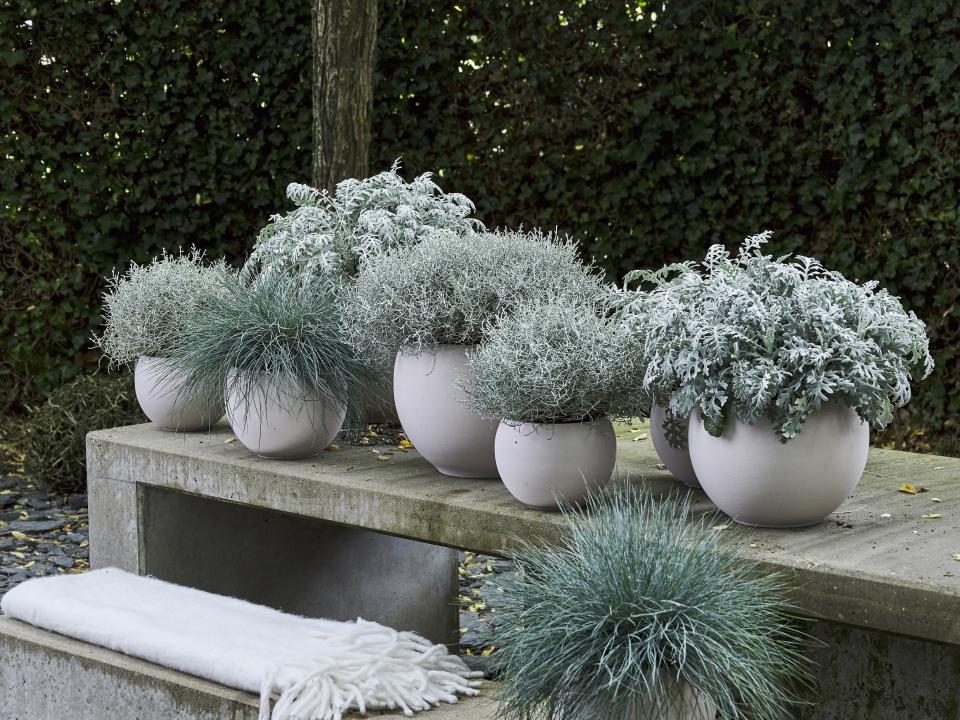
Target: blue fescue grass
[{"x": 641, "y": 595}]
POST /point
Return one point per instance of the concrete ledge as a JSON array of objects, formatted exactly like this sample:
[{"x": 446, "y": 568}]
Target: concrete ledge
[
  {"x": 877, "y": 563},
  {"x": 45, "y": 676}
]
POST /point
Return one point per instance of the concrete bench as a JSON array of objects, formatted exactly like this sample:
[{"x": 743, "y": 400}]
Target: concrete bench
[
  {"x": 46, "y": 676},
  {"x": 348, "y": 534}
]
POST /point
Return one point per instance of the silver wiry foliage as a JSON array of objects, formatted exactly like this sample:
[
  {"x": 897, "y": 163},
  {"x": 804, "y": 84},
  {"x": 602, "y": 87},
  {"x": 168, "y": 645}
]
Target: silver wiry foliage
[
  {"x": 640, "y": 599},
  {"x": 774, "y": 338},
  {"x": 554, "y": 362},
  {"x": 447, "y": 289},
  {"x": 146, "y": 307},
  {"x": 333, "y": 235},
  {"x": 281, "y": 328}
]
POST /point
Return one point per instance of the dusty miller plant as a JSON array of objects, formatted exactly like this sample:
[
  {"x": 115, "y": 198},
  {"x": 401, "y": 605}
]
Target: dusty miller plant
[
  {"x": 146, "y": 308},
  {"x": 447, "y": 289},
  {"x": 638, "y": 601},
  {"x": 333, "y": 235},
  {"x": 281, "y": 328},
  {"x": 756, "y": 336},
  {"x": 553, "y": 362}
]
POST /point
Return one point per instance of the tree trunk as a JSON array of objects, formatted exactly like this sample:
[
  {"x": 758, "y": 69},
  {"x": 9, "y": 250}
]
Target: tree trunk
[{"x": 344, "y": 46}]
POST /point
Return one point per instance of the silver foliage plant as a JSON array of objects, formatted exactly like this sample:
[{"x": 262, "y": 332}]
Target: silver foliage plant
[
  {"x": 333, "y": 235},
  {"x": 554, "y": 362},
  {"x": 448, "y": 288},
  {"x": 146, "y": 307},
  {"x": 281, "y": 328},
  {"x": 639, "y": 601},
  {"x": 756, "y": 336}
]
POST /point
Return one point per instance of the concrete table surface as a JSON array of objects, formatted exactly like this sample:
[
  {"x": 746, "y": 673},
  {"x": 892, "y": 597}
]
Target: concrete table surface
[{"x": 876, "y": 563}]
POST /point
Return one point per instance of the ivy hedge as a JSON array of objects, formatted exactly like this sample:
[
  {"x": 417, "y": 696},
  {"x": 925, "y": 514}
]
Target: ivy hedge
[{"x": 648, "y": 132}]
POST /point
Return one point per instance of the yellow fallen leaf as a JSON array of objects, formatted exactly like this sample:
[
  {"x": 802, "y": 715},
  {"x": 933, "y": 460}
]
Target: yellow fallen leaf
[
  {"x": 932, "y": 516},
  {"x": 406, "y": 444},
  {"x": 19, "y": 535},
  {"x": 383, "y": 457},
  {"x": 487, "y": 651},
  {"x": 333, "y": 447},
  {"x": 908, "y": 488},
  {"x": 956, "y": 556}
]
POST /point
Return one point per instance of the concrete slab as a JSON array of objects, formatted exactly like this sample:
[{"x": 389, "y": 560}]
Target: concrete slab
[
  {"x": 895, "y": 574},
  {"x": 45, "y": 676}
]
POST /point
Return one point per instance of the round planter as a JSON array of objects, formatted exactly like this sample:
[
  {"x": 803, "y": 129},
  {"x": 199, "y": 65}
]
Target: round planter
[
  {"x": 757, "y": 479},
  {"x": 452, "y": 438},
  {"x": 676, "y": 460},
  {"x": 158, "y": 393},
  {"x": 541, "y": 464},
  {"x": 283, "y": 426},
  {"x": 680, "y": 702}
]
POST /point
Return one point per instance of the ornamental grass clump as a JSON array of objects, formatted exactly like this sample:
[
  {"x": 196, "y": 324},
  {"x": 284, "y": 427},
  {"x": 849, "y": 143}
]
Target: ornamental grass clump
[
  {"x": 280, "y": 331},
  {"x": 146, "y": 308},
  {"x": 753, "y": 336},
  {"x": 447, "y": 289},
  {"x": 554, "y": 362},
  {"x": 333, "y": 235},
  {"x": 641, "y": 609}
]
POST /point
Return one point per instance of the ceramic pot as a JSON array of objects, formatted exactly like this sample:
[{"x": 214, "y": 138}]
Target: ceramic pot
[
  {"x": 452, "y": 438},
  {"x": 541, "y": 464},
  {"x": 281, "y": 424},
  {"x": 758, "y": 479},
  {"x": 158, "y": 392},
  {"x": 676, "y": 460},
  {"x": 679, "y": 701}
]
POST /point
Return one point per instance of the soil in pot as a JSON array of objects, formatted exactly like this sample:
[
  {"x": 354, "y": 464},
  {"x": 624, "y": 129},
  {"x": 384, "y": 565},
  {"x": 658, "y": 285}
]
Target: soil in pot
[
  {"x": 757, "y": 478},
  {"x": 542, "y": 464},
  {"x": 450, "y": 436}
]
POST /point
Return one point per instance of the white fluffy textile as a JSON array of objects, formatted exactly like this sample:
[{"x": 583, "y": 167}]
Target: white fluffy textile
[{"x": 314, "y": 669}]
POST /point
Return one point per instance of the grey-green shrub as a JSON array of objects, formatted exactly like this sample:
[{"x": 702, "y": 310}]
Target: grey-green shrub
[
  {"x": 333, "y": 235},
  {"x": 146, "y": 308},
  {"x": 638, "y": 596},
  {"x": 281, "y": 327},
  {"x": 756, "y": 336},
  {"x": 555, "y": 362},
  {"x": 447, "y": 289},
  {"x": 57, "y": 429}
]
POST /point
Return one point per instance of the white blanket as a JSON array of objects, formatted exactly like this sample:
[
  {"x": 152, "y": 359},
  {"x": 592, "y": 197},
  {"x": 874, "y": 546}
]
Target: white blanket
[{"x": 314, "y": 669}]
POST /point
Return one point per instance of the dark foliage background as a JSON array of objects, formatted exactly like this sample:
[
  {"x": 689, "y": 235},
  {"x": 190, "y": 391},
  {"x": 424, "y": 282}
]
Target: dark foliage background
[{"x": 647, "y": 132}]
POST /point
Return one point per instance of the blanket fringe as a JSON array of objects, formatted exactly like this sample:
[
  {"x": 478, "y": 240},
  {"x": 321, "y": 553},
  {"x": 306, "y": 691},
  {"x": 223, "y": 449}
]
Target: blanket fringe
[{"x": 366, "y": 666}]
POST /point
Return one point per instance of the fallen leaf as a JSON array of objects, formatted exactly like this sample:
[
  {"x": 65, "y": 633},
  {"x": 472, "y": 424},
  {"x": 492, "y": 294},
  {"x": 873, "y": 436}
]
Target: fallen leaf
[
  {"x": 720, "y": 527},
  {"x": 932, "y": 516},
  {"x": 20, "y": 536},
  {"x": 753, "y": 545},
  {"x": 487, "y": 651},
  {"x": 406, "y": 444},
  {"x": 383, "y": 457},
  {"x": 956, "y": 556},
  {"x": 333, "y": 447},
  {"x": 231, "y": 440},
  {"x": 886, "y": 515},
  {"x": 935, "y": 500},
  {"x": 908, "y": 488}
]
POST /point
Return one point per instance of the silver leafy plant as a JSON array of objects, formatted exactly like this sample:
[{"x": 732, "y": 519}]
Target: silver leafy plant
[
  {"x": 281, "y": 330},
  {"x": 755, "y": 336},
  {"x": 332, "y": 235},
  {"x": 554, "y": 362},
  {"x": 447, "y": 289},
  {"x": 640, "y": 612},
  {"x": 146, "y": 307}
]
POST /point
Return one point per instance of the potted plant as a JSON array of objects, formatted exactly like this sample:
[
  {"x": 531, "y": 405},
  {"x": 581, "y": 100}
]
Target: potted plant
[
  {"x": 555, "y": 373},
  {"x": 427, "y": 306},
  {"x": 782, "y": 366},
  {"x": 644, "y": 613},
  {"x": 145, "y": 310},
  {"x": 329, "y": 236},
  {"x": 275, "y": 347}
]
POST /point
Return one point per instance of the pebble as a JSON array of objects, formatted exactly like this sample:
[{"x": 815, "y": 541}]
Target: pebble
[
  {"x": 9, "y": 482},
  {"x": 62, "y": 561},
  {"x": 7, "y": 500},
  {"x": 77, "y": 501},
  {"x": 35, "y": 526}
]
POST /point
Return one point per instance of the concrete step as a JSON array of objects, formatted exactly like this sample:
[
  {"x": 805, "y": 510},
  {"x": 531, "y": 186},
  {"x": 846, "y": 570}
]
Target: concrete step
[{"x": 44, "y": 676}]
